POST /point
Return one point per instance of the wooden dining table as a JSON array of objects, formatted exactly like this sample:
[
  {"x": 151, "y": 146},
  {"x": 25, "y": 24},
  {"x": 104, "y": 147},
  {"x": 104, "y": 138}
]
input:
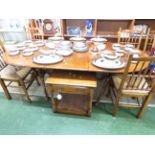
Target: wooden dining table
[{"x": 77, "y": 61}]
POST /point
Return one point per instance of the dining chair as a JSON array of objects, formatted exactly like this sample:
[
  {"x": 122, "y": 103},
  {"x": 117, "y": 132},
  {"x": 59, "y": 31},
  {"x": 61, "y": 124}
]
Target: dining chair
[
  {"x": 138, "y": 84},
  {"x": 128, "y": 36},
  {"x": 149, "y": 41},
  {"x": 23, "y": 76}
]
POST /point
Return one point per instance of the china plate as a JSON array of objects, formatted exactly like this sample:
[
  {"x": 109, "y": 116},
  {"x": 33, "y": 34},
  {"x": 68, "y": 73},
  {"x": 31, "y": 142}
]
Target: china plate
[
  {"x": 27, "y": 52},
  {"x": 56, "y": 38},
  {"x": 47, "y": 59},
  {"x": 64, "y": 52},
  {"x": 77, "y": 39},
  {"x": 116, "y": 45},
  {"x": 50, "y": 45},
  {"x": 98, "y": 39},
  {"x": 108, "y": 64},
  {"x": 135, "y": 51},
  {"x": 120, "y": 52},
  {"x": 83, "y": 49},
  {"x": 47, "y": 52}
]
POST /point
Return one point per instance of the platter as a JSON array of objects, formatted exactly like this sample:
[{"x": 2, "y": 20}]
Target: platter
[
  {"x": 47, "y": 59},
  {"x": 108, "y": 64}
]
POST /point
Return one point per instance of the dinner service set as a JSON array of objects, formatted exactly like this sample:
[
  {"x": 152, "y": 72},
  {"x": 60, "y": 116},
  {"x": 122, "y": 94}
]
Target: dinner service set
[{"x": 58, "y": 48}]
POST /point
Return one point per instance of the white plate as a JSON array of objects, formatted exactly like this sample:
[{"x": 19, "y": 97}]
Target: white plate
[
  {"x": 108, "y": 64},
  {"x": 56, "y": 38},
  {"x": 83, "y": 49},
  {"x": 116, "y": 45},
  {"x": 65, "y": 44},
  {"x": 27, "y": 52},
  {"x": 105, "y": 52},
  {"x": 111, "y": 57},
  {"x": 64, "y": 52},
  {"x": 120, "y": 52},
  {"x": 13, "y": 51},
  {"x": 98, "y": 39},
  {"x": 77, "y": 39},
  {"x": 129, "y": 46},
  {"x": 20, "y": 45},
  {"x": 47, "y": 52},
  {"x": 135, "y": 51},
  {"x": 47, "y": 59},
  {"x": 27, "y": 41},
  {"x": 79, "y": 45},
  {"x": 50, "y": 45},
  {"x": 21, "y": 48},
  {"x": 40, "y": 44}
]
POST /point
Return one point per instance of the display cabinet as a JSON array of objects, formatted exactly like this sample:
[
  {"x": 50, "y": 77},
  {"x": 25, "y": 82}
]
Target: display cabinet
[
  {"x": 107, "y": 28},
  {"x": 74, "y": 27}
]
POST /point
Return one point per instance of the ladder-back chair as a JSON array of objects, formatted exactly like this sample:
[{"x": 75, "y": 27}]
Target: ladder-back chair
[
  {"x": 9, "y": 74},
  {"x": 138, "y": 84}
]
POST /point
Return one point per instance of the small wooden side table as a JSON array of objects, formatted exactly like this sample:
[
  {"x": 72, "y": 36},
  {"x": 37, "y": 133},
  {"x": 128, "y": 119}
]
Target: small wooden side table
[{"x": 72, "y": 92}]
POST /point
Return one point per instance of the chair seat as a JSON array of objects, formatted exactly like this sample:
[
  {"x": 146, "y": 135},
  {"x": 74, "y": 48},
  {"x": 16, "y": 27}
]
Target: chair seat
[
  {"x": 134, "y": 91},
  {"x": 10, "y": 73}
]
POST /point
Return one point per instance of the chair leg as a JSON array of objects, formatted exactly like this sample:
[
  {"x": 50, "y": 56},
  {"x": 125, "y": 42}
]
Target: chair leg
[
  {"x": 25, "y": 90},
  {"x": 7, "y": 94},
  {"x": 115, "y": 105},
  {"x": 144, "y": 106}
]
